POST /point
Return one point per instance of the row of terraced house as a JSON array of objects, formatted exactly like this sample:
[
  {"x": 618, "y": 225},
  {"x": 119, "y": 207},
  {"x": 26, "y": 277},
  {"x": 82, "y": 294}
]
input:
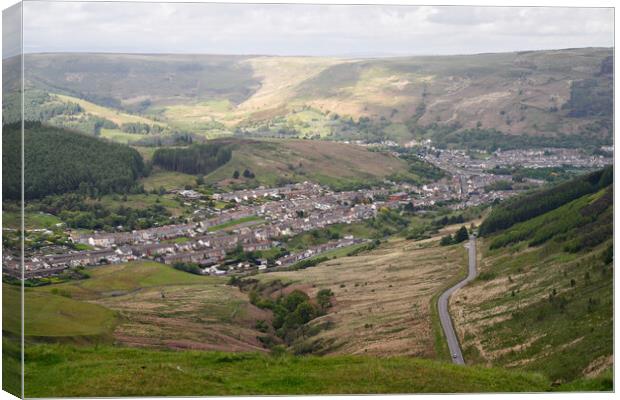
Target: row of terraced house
[{"x": 282, "y": 218}]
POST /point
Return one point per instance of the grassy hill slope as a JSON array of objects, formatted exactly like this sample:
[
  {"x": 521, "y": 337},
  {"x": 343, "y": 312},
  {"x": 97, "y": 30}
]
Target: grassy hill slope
[
  {"x": 156, "y": 306},
  {"x": 279, "y": 161},
  {"x": 55, "y": 371},
  {"x": 57, "y": 316},
  {"x": 548, "y": 92},
  {"x": 382, "y": 299},
  {"x": 135, "y": 81},
  {"x": 543, "y": 299}
]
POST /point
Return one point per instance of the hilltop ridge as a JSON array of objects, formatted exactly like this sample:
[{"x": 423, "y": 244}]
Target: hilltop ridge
[{"x": 549, "y": 92}]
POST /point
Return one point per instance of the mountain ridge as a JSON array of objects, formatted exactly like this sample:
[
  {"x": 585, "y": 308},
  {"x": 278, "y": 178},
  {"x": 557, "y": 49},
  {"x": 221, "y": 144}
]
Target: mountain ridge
[{"x": 547, "y": 92}]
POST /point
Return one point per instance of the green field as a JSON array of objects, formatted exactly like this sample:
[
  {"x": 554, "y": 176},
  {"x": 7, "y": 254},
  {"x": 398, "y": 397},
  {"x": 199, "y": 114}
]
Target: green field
[
  {"x": 59, "y": 371},
  {"x": 308, "y": 239},
  {"x": 168, "y": 180},
  {"x": 116, "y": 135},
  {"x": 123, "y": 278},
  {"x": 32, "y": 220},
  {"x": 144, "y": 304},
  {"x": 169, "y": 201},
  {"x": 52, "y": 315},
  {"x": 69, "y": 310}
]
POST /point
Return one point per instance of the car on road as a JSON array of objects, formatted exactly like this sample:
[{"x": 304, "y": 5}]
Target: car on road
[{"x": 454, "y": 355}]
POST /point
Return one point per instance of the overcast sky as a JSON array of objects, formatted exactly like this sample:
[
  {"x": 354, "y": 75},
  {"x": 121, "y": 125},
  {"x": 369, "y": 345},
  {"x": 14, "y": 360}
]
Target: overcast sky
[{"x": 308, "y": 29}]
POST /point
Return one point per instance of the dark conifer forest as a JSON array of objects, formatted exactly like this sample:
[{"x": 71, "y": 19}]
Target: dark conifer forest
[
  {"x": 59, "y": 161},
  {"x": 195, "y": 159},
  {"x": 526, "y": 207}
]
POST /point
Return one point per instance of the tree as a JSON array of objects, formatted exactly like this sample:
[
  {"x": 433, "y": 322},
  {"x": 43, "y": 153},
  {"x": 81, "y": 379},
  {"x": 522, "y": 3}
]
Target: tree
[
  {"x": 461, "y": 235},
  {"x": 294, "y": 299},
  {"x": 305, "y": 312},
  {"x": 323, "y": 298},
  {"x": 236, "y": 174},
  {"x": 446, "y": 240},
  {"x": 608, "y": 255}
]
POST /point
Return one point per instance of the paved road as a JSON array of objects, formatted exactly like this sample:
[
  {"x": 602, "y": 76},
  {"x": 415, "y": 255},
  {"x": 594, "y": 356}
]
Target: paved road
[{"x": 444, "y": 315}]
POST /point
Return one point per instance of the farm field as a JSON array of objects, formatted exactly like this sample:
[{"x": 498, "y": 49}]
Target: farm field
[
  {"x": 32, "y": 220},
  {"x": 168, "y": 201},
  {"x": 116, "y": 135},
  {"x": 237, "y": 223}
]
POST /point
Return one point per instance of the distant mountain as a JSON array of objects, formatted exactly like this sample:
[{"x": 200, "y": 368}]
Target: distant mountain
[{"x": 555, "y": 92}]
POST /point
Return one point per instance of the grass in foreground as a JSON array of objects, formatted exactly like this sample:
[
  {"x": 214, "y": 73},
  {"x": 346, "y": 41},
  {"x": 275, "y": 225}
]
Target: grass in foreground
[{"x": 60, "y": 370}]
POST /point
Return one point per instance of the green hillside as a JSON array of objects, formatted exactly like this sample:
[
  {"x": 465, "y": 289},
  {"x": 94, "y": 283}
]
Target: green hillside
[
  {"x": 529, "y": 206},
  {"x": 59, "y": 160},
  {"x": 135, "y": 81},
  {"x": 543, "y": 300},
  {"x": 275, "y": 162},
  {"x": 49, "y": 315},
  {"x": 59, "y": 371},
  {"x": 560, "y": 95}
]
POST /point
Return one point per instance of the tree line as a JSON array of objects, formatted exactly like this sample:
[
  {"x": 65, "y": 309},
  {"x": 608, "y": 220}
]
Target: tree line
[
  {"x": 195, "y": 159},
  {"x": 141, "y": 128},
  {"x": 77, "y": 211},
  {"x": 528, "y": 206},
  {"x": 59, "y": 161}
]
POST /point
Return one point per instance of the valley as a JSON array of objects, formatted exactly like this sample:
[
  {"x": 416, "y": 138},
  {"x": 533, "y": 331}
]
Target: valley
[
  {"x": 547, "y": 96},
  {"x": 242, "y": 225}
]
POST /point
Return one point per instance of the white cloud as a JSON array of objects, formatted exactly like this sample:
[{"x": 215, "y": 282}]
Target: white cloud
[
  {"x": 11, "y": 31},
  {"x": 307, "y": 29}
]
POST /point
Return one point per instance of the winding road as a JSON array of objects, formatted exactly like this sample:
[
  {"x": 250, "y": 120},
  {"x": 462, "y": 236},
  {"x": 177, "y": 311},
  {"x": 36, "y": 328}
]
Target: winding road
[{"x": 442, "y": 303}]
